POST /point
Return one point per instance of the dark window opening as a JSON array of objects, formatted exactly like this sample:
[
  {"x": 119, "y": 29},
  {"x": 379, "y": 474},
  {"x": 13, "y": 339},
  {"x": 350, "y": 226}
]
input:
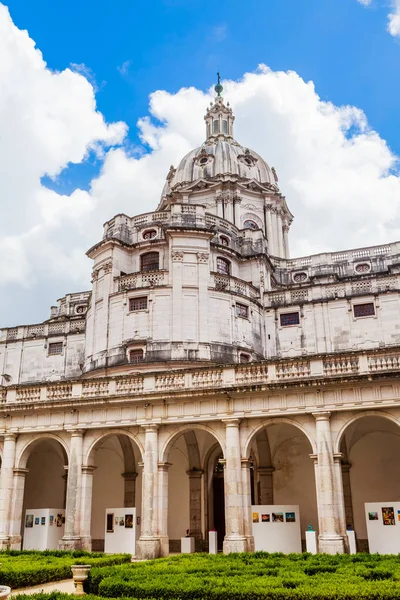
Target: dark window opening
[
  {"x": 242, "y": 310},
  {"x": 250, "y": 225},
  {"x": 136, "y": 356},
  {"x": 364, "y": 310},
  {"x": 138, "y": 303},
  {"x": 55, "y": 348},
  {"x": 223, "y": 266},
  {"x": 149, "y": 261},
  {"x": 290, "y": 319}
]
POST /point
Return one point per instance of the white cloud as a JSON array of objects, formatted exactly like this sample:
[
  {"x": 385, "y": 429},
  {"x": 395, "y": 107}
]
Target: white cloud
[
  {"x": 124, "y": 68},
  {"x": 338, "y": 175},
  {"x": 365, "y": 2},
  {"x": 394, "y": 19}
]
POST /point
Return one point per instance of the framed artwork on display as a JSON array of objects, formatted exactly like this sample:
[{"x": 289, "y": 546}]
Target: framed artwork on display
[
  {"x": 388, "y": 515},
  {"x": 43, "y": 520},
  {"x": 121, "y": 521},
  {"x": 373, "y": 516},
  {"x": 51, "y": 520},
  {"x": 37, "y": 520},
  {"x": 277, "y": 517},
  {"x": 29, "y": 521},
  {"x": 59, "y": 520},
  {"x": 265, "y": 518},
  {"x": 110, "y": 523},
  {"x": 290, "y": 517},
  {"x": 256, "y": 517},
  {"x": 128, "y": 521}
]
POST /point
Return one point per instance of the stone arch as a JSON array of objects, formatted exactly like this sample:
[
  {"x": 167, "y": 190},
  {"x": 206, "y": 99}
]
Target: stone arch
[
  {"x": 275, "y": 421},
  {"x": 188, "y": 427},
  {"x": 357, "y": 417},
  {"x": 94, "y": 444},
  {"x": 23, "y": 456}
]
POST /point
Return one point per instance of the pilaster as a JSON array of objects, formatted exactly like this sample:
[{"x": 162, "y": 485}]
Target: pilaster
[
  {"x": 149, "y": 542},
  {"x": 71, "y": 539}
]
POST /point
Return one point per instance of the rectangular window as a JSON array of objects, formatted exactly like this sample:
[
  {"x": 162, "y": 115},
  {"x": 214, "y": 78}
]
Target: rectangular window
[
  {"x": 136, "y": 356},
  {"x": 55, "y": 348},
  {"x": 288, "y": 319},
  {"x": 364, "y": 310},
  {"x": 242, "y": 311},
  {"x": 138, "y": 303}
]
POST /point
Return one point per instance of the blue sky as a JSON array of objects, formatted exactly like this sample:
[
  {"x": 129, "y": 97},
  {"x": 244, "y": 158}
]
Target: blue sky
[
  {"x": 78, "y": 147},
  {"x": 132, "y": 48}
]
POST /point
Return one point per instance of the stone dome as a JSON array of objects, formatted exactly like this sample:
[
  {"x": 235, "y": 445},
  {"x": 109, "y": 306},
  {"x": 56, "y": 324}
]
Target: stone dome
[{"x": 220, "y": 158}]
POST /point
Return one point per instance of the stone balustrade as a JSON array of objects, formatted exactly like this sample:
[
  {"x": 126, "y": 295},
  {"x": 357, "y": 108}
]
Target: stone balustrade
[
  {"x": 43, "y": 330},
  {"x": 267, "y": 373},
  {"x": 226, "y": 283},
  {"x": 141, "y": 279}
]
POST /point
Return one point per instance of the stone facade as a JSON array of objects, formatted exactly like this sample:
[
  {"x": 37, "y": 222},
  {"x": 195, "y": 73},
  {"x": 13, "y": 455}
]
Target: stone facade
[{"x": 206, "y": 371}]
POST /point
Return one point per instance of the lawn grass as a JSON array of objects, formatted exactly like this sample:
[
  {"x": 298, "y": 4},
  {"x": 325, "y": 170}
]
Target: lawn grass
[
  {"x": 20, "y": 569},
  {"x": 258, "y": 576}
]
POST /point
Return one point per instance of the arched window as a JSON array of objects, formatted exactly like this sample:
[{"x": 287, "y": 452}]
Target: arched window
[
  {"x": 150, "y": 234},
  {"x": 150, "y": 261},
  {"x": 244, "y": 358},
  {"x": 223, "y": 266},
  {"x": 224, "y": 126},
  {"x": 216, "y": 126},
  {"x": 136, "y": 356},
  {"x": 249, "y": 224},
  {"x": 224, "y": 240}
]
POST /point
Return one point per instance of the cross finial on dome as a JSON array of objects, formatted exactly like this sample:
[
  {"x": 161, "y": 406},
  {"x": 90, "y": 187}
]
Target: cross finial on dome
[{"x": 218, "y": 88}]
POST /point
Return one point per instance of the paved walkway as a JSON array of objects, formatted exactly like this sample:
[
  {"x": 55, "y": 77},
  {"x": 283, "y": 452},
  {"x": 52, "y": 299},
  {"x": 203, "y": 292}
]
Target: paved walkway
[{"x": 66, "y": 585}]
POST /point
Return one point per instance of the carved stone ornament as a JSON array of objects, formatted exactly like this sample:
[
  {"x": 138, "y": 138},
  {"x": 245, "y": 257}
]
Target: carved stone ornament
[
  {"x": 202, "y": 257},
  {"x": 177, "y": 255},
  {"x": 95, "y": 275},
  {"x": 274, "y": 174},
  {"x": 107, "y": 267},
  {"x": 171, "y": 173}
]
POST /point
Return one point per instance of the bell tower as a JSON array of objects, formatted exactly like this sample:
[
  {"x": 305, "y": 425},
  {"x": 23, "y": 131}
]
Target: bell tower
[{"x": 219, "y": 117}]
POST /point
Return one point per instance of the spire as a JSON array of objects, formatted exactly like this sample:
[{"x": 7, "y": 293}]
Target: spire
[{"x": 219, "y": 117}]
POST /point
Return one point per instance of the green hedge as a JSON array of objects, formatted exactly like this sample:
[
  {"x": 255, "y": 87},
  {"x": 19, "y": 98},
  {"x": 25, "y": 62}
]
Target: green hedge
[
  {"x": 258, "y": 576},
  {"x": 28, "y": 568}
]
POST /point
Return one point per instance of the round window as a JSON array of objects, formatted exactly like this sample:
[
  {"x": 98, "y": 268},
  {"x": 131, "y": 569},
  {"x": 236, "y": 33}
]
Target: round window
[
  {"x": 203, "y": 160},
  {"x": 299, "y": 277},
  {"x": 363, "y": 268},
  {"x": 80, "y": 310},
  {"x": 149, "y": 234},
  {"x": 250, "y": 225},
  {"x": 248, "y": 161}
]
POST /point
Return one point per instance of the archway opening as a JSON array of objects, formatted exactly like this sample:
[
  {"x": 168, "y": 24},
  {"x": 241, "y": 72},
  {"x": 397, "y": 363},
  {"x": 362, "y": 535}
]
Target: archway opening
[
  {"x": 116, "y": 484},
  {"x": 195, "y": 489},
  {"x": 370, "y": 472},
  {"x": 45, "y": 480},
  {"x": 283, "y": 472}
]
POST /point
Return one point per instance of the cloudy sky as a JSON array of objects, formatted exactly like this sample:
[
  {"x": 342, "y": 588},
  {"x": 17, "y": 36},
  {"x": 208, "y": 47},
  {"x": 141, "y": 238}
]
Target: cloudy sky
[{"x": 96, "y": 102}]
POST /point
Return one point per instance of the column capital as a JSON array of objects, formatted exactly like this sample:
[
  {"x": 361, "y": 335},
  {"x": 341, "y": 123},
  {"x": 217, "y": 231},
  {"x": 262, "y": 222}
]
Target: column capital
[
  {"x": 163, "y": 466},
  {"x": 20, "y": 471},
  {"x": 314, "y": 457},
  {"x": 231, "y": 422},
  {"x": 10, "y": 437},
  {"x": 265, "y": 470},
  {"x": 321, "y": 416},
  {"x": 88, "y": 469},
  {"x": 194, "y": 473},
  {"x": 76, "y": 432},
  {"x": 150, "y": 428},
  {"x": 246, "y": 463},
  {"x": 129, "y": 475}
]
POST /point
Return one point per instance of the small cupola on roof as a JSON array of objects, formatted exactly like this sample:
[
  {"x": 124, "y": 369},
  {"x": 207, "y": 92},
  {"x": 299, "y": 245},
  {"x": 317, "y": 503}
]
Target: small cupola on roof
[{"x": 219, "y": 117}]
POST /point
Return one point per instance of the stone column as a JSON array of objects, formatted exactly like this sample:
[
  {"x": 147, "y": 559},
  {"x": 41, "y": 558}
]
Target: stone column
[
  {"x": 86, "y": 506},
  {"x": 176, "y": 269},
  {"x": 71, "y": 539},
  {"x": 195, "y": 503},
  {"x": 149, "y": 543},
  {"x": 6, "y": 488},
  {"x": 347, "y": 497},
  {"x": 285, "y": 229},
  {"x": 235, "y": 540},
  {"x": 279, "y": 231},
  {"x": 129, "y": 489},
  {"x": 340, "y": 498},
  {"x": 16, "y": 509},
  {"x": 330, "y": 540},
  {"x": 270, "y": 231},
  {"x": 163, "y": 507},
  {"x": 247, "y": 517},
  {"x": 266, "y": 485}
]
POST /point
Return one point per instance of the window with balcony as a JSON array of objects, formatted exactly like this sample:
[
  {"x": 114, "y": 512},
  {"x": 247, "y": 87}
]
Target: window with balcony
[
  {"x": 150, "y": 261},
  {"x": 223, "y": 266},
  {"x": 55, "y": 348},
  {"x": 136, "y": 356},
  {"x": 364, "y": 310},
  {"x": 242, "y": 310},
  {"x": 138, "y": 303},
  {"x": 288, "y": 319}
]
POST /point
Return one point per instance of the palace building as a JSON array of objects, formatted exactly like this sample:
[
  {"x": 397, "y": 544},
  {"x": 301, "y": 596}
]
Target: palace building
[{"x": 206, "y": 372}]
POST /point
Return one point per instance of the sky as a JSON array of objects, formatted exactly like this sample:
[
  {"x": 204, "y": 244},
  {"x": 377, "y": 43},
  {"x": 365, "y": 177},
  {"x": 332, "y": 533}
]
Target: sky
[{"x": 98, "y": 99}]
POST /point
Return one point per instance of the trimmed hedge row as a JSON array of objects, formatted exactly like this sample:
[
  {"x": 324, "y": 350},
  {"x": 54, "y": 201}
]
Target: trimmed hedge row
[
  {"x": 28, "y": 568},
  {"x": 258, "y": 576}
]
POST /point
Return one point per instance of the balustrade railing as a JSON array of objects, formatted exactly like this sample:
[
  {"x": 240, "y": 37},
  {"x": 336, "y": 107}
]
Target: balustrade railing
[
  {"x": 225, "y": 283},
  {"x": 141, "y": 279},
  {"x": 262, "y": 373}
]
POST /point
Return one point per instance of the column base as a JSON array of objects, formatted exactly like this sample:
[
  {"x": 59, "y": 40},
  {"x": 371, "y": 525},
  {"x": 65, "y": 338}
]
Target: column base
[
  {"x": 250, "y": 543},
  {"x": 4, "y": 543},
  {"x": 15, "y": 542},
  {"x": 86, "y": 543},
  {"x": 330, "y": 544},
  {"x": 148, "y": 548},
  {"x": 234, "y": 544},
  {"x": 164, "y": 546},
  {"x": 70, "y": 543}
]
